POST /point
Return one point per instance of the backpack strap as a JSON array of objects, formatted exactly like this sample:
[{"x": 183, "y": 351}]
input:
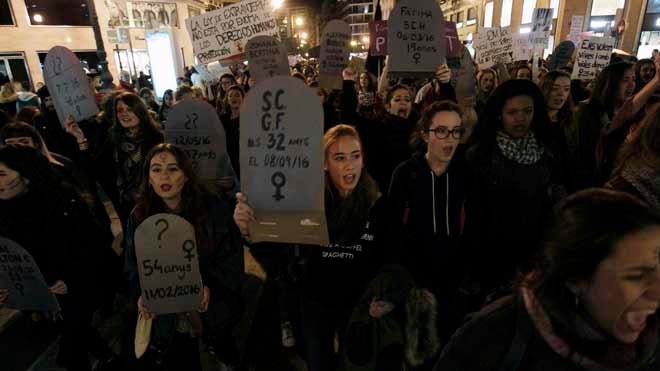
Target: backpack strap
[{"x": 524, "y": 333}]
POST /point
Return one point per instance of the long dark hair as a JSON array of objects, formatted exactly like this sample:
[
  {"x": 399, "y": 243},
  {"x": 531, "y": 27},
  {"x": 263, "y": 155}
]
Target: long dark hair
[
  {"x": 566, "y": 111},
  {"x": 192, "y": 195},
  {"x": 148, "y": 127},
  {"x": 605, "y": 89},
  {"x": 32, "y": 165},
  {"x": 638, "y": 68},
  {"x": 370, "y": 86},
  {"x": 347, "y": 216},
  {"x": 644, "y": 146},
  {"x": 222, "y": 105},
  {"x": 490, "y": 121}
]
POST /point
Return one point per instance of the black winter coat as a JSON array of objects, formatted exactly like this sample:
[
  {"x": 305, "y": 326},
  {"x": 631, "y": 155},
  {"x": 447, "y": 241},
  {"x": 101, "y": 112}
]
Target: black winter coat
[{"x": 427, "y": 214}]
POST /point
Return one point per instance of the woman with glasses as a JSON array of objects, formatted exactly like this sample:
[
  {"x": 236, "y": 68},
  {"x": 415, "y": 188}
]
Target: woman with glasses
[{"x": 427, "y": 195}]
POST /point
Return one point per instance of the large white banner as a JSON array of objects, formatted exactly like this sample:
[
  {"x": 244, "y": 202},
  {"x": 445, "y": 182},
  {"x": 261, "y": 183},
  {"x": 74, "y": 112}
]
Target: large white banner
[{"x": 223, "y": 33}]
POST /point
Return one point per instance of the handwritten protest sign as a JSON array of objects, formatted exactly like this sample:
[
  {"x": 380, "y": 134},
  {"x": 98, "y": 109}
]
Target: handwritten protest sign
[
  {"x": 335, "y": 41},
  {"x": 282, "y": 162},
  {"x": 522, "y": 49},
  {"x": 541, "y": 24},
  {"x": 223, "y": 33},
  {"x": 68, "y": 85},
  {"x": 168, "y": 264},
  {"x": 416, "y": 38},
  {"x": 593, "y": 54},
  {"x": 378, "y": 37},
  {"x": 194, "y": 126},
  {"x": 562, "y": 55},
  {"x": 203, "y": 72},
  {"x": 20, "y": 274},
  {"x": 266, "y": 58},
  {"x": 493, "y": 45},
  {"x": 577, "y": 22}
]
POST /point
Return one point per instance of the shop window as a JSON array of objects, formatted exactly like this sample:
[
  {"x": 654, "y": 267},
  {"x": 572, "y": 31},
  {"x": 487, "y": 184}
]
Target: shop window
[
  {"x": 6, "y": 18},
  {"x": 459, "y": 19},
  {"x": 471, "y": 16},
  {"x": 488, "y": 14},
  {"x": 554, "y": 4},
  {"x": 606, "y": 7},
  {"x": 528, "y": 11},
  {"x": 58, "y": 12},
  {"x": 505, "y": 17}
]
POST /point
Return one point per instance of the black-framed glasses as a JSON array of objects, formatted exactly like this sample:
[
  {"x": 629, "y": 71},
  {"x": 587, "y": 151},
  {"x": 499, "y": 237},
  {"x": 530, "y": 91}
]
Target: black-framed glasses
[{"x": 442, "y": 132}]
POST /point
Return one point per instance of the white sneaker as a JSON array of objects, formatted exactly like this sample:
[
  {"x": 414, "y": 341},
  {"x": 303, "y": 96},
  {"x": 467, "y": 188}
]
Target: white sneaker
[{"x": 288, "y": 340}]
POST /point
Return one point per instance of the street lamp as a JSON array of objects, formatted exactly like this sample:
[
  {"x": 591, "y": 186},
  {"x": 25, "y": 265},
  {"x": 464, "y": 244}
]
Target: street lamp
[
  {"x": 277, "y": 4},
  {"x": 365, "y": 39},
  {"x": 106, "y": 76},
  {"x": 304, "y": 35},
  {"x": 300, "y": 21},
  {"x": 353, "y": 43}
]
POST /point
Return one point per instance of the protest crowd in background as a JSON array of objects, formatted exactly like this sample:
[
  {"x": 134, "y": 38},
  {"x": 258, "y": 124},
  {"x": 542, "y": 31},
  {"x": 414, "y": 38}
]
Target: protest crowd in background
[{"x": 511, "y": 224}]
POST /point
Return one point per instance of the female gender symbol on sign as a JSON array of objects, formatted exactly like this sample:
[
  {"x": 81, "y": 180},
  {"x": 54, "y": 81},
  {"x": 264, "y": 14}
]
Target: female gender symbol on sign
[{"x": 279, "y": 180}]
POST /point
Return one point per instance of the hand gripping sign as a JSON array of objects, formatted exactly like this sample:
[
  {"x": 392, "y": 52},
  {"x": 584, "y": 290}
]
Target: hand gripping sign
[
  {"x": 68, "y": 85},
  {"x": 168, "y": 264},
  {"x": 20, "y": 274},
  {"x": 282, "y": 162}
]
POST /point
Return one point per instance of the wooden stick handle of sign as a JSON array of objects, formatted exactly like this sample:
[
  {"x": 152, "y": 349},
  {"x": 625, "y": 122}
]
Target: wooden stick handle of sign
[{"x": 535, "y": 66}]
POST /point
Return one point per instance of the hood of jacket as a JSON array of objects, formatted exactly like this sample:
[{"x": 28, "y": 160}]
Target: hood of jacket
[{"x": 26, "y": 96}]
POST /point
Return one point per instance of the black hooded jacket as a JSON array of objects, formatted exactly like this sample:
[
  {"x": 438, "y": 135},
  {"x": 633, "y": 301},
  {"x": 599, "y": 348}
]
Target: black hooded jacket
[{"x": 427, "y": 210}]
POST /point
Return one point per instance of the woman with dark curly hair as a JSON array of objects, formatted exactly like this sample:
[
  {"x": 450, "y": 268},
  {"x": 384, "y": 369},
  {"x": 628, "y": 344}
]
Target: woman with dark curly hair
[{"x": 512, "y": 181}]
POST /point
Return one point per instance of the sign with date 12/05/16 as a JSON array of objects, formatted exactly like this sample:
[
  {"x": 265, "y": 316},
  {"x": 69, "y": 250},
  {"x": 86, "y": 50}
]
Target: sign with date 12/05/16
[
  {"x": 194, "y": 126},
  {"x": 281, "y": 146}
]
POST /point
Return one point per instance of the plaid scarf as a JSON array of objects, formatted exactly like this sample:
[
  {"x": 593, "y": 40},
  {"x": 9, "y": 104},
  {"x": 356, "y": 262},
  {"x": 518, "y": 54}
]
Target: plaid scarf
[
  {"x": 525, "y": 150},
  {"x": 128, "y": 157}
]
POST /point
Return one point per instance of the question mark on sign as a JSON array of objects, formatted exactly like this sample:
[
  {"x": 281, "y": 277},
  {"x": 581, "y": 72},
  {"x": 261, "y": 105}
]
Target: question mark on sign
[
  {"x": 417, "y": 57},
  {"x": 160, "y": 234}
]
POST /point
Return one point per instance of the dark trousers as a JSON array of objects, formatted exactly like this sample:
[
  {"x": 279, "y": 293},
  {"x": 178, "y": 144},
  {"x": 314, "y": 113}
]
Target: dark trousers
[
  {"x": 79, "y": 338},
  {"x": 321, "y": 321}
]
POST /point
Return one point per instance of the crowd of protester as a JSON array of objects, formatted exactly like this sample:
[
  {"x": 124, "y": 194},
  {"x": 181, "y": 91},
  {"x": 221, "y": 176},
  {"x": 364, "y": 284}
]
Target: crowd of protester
[{"x": 519, "y": 231}]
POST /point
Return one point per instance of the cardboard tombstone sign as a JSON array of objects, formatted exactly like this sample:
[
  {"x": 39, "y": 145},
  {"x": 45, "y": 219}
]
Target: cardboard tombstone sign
[
  {"x": 266, "y": 58},
  {"x": 282, "y": 162},
  {"x": 194, "y": 126},
  {"x": 562, "y": 55},
  {"x": 168, "y": 264},
  {"x": 493, "y": 45},
  {"x": 20, "y": 274},
  {"x": 593, "y": 54},
  {"x": 223, "y": 33},
  {"x": 462, "y": 78},
  {"x": 416, "y": 38},
  {"x": 335, "y": 48},
  {"x": 68, "y": 85}
]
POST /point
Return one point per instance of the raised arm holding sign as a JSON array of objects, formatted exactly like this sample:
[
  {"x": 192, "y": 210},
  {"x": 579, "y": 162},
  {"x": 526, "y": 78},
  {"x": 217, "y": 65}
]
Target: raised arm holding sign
[
  {"x": 282, "y": 162},
  {"x": 68, "y": 85}
]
